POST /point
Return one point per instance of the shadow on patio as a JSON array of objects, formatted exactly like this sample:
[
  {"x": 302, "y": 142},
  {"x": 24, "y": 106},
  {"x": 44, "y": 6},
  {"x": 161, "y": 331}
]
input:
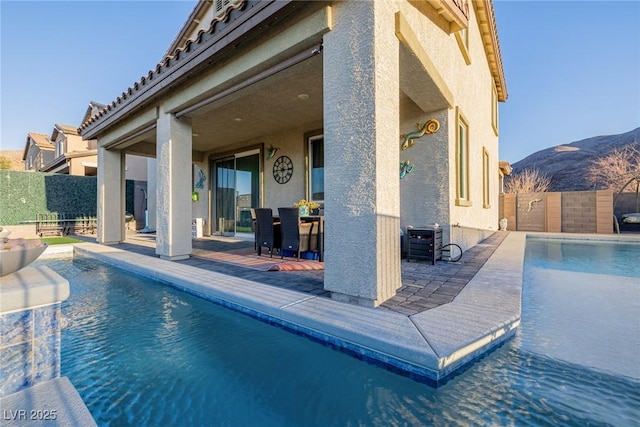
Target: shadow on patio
[{"x": 424, "y": 286}]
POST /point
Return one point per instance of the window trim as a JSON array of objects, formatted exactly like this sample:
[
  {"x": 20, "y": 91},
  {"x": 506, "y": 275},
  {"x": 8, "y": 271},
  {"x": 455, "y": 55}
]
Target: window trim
[
  {"x": 59, "y": 148},
  {"x": 308, "y": 138},
  {"x": 462, "y": 184},
  {"x": 462, "y": 37},
  {"x": 486, "y": 184}
]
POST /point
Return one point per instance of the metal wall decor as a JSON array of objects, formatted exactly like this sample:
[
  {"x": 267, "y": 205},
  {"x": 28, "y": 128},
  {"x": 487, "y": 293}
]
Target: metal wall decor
[
  {"x": 430, "y": 126},
  {"x": 405, "y": 168},
  {"x": 201, "y": 177},
  {"x": 271, "y": 151},
  {"x": 282, "y": 169}
]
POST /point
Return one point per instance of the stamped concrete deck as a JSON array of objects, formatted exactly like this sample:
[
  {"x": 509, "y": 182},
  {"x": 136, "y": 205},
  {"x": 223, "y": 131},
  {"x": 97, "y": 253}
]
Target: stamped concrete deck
[{"x": 443, "y": 316}]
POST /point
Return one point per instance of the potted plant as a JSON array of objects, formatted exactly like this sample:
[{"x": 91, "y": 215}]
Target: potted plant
[{"x": 307, "y": 207}]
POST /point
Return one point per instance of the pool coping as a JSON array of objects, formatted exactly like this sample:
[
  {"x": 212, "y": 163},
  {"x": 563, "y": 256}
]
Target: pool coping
[
  {"x": 630, "y": 238},
  {"x": 428, "y": 346},
  {"x": 53, "y": 402}
]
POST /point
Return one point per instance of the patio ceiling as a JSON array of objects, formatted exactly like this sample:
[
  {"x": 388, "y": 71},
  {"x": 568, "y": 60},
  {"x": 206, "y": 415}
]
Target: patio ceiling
[{"x": 268, "y": 106}]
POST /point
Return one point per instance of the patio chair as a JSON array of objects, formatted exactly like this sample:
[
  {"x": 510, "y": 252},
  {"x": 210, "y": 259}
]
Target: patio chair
[
  {"x": 267, "y": 231},
  {"x": 296, "y": 235},
  {"x": 254, "y": 227}
]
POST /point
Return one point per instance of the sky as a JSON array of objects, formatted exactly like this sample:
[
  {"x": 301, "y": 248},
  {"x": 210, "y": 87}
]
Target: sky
[{"x": 572, "y": 68}]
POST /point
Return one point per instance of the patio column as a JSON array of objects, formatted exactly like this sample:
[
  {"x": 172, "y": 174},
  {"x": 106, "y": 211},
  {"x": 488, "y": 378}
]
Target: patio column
[
  {"x": 173, "y": 192},
  {"x": 361, "y": 134},
  {"x": 152, "y": 191},
  {"x": 110, "y": 207}
]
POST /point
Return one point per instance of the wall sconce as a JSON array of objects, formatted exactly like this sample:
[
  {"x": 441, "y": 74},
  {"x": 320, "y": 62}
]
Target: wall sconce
[{"x": 271, "y": 151}]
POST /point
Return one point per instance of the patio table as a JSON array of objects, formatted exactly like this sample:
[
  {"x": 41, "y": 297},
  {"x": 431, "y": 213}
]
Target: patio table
[{"x": 313, "y": 218}]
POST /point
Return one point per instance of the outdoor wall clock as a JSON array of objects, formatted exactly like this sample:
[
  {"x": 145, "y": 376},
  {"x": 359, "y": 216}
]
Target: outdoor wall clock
[{"x": 282, "y": 169}]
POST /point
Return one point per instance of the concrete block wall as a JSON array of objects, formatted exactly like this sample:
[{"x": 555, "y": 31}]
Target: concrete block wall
[
  {"x": 553, "y": 212},
  {"x": 567, "y": 212},
  {"x": 579, "y": 212},
  {"x": 604, "y": 212},
  {"x": 507, "y": 209}
]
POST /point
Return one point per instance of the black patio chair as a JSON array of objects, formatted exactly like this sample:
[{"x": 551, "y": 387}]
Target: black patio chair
[
  {"x": 267, "y": 231},
  {"x": 254, "y": 227},
  {"x": 296, "y": 235}
]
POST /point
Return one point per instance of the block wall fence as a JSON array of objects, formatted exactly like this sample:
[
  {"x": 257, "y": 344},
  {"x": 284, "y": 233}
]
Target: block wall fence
[{"x": 566, "y": 212}]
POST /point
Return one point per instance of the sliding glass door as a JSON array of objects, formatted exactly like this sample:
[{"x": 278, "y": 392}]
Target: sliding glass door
[{"x": 237, "y": 190}]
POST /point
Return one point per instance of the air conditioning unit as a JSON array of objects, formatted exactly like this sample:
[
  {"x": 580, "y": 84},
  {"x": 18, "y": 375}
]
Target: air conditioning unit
[{"x": 222, "y": 8}]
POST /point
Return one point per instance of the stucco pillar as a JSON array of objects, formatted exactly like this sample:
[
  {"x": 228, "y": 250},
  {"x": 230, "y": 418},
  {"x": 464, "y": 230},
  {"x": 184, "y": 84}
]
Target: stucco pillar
[
  {"x": 173, "y": 192},
  {"x": 110, "y": 196},
  {"x": 152, "y": 191},
  {"x": 361, "y": 131}
]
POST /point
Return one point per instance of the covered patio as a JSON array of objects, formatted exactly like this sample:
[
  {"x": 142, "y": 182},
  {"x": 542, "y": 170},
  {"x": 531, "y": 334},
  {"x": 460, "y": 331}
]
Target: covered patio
[{"x": 326, "y": 89}]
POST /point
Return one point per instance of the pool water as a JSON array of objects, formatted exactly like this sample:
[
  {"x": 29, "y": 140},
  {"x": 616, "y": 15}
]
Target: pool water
[
  {"x": 599, "y": 257},
  {"x": 141, "y": 353},
  {"x": 583, "y": 303}
]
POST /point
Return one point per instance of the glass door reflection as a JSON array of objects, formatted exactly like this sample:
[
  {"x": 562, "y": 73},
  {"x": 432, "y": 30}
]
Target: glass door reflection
[{"x": 237, "y": 191}]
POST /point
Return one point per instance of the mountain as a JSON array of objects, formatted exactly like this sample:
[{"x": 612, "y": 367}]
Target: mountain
[
  {"x": 567, "y": 165},
  {"x": 15, "y": 156}
]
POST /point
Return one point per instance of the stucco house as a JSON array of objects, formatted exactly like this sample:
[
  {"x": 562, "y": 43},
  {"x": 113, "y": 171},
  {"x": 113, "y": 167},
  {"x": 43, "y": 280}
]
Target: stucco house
[
  {"x": 336, "y": 89},
  {"x": 38, "y": 151},
  {"x": 73, "y": 155},
  {"x": 66, "y": 152}
]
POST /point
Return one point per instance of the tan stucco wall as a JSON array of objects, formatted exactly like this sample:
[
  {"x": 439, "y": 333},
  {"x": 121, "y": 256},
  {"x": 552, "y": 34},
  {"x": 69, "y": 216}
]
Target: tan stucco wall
[
  {"x": 75, "y": 143},
  {"x": 76, "y": 166}
]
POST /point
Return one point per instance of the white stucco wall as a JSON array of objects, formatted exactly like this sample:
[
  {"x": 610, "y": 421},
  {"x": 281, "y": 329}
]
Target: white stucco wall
[
  {"x": 135, "y": 167},
  {"x": 361, "y": 117},
  {"x": 424, "y": 193},
  {"x": 472, "y": 87}
]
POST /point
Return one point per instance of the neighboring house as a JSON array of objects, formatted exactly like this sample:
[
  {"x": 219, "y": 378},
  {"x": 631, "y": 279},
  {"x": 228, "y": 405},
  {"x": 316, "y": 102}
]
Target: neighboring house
[
  {"x": 38, "y": 151},
  {"x": 136, "y": 166},
  {"x": 65, "y": 152},
  {"x": 505, "y": 169},
  {"x": 333, "y": 86},
  {"x": 73, "y": 155}
]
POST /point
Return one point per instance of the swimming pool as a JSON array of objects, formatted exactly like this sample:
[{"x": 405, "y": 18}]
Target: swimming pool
[
  {"x": 584, "y": 303},
  {"x": 595, "y": 256},
  {"x": 142, "y": 353}
]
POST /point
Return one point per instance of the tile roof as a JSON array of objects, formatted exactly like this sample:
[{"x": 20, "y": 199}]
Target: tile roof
[
  {"x": 41, "y": 140},
  {"x": 67, "y": 129},
  {"x": 179, "y": 55}
]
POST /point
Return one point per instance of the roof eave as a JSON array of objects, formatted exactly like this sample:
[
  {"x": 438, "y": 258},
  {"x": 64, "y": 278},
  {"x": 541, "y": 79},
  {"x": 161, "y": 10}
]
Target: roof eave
[
  {"x": 181, "y": 65},
  {"x": 489, "y": 32}
]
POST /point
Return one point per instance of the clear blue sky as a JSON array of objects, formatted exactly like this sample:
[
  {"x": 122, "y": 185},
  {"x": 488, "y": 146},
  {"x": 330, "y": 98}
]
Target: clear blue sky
[{"x": 572, "y": 68}]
